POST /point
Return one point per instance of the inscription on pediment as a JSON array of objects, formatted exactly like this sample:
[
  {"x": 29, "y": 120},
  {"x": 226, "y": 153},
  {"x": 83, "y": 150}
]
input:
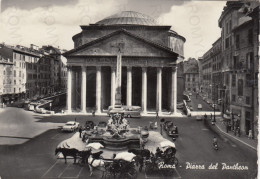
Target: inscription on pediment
[{"x": 125, "y": 62}]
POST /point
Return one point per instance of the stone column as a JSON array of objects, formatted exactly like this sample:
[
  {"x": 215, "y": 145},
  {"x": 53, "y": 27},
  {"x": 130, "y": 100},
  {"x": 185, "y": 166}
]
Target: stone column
[
  {"x": 174, "y": 90},
  {"x": 69, "y": 90},
  {"x": 113, "y": 85},
  {"x": 144, "y": 89},
  {"x": 159, "y": 90},
  {"x": 98, "y": 90},
  {"x": 83, "y": 89},
  {"x": 129, "y": 86}
]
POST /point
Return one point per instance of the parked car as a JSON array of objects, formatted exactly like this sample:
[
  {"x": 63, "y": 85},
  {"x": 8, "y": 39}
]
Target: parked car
[
  {"x": 173, "y": 132},
  {"x": 70, "y": 126},
  {"x": 89, "y": 125},
  {"x": 129, "y": 111},
  {"x": 132, "y": 112},
  {"x": 199, "y": 106},
  {"x": 199, "y": 118},
  {"x": 214, "y": 105}
]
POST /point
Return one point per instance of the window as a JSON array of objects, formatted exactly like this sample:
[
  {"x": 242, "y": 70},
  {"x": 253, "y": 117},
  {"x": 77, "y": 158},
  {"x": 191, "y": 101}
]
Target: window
[
  {"x": 248, "y": 115},
  {"x": 235, "y": 62},
  {"x": 20, "y": 74},
  {"x": 237, "y": 41},
  {"x": 234, "y": 98},
  {"x": 227, "y": 79},
  {"x": 247, "y": 100},
  {"x": 4, "y": 72},
  {"x": 233, "y": 80},
  {"x": 14, "y": 90},
  {"x": 240, "y": 87},
  {"x": 248, "y": 80},
  {"x": 14, "y": 73},
  {"x": 250, "y": 36},
  {"x": 230, "y": 25},
  {"x": 249, "y": 60},
  {"x": 227, "y": 42}
]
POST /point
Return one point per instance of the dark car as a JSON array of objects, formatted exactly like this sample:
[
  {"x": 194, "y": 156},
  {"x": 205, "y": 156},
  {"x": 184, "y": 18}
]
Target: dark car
[
  {"x": 167, "y": 125},
  {"x": 89, "y": 125},
  {"x": 173, "y": 131}
]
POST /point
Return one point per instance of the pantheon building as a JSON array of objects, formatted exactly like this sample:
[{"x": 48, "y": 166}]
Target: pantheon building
[{"x": 149, "y": 54}]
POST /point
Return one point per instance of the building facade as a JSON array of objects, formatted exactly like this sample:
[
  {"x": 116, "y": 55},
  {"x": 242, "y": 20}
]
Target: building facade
[
  {"x": 29, "y": 74},
  {"x": 234, "y": 68},
  {"x": 6, "y": 78},
  {"x": 191, "y": 75},
  {"x": 149, "y": 54},
  {"x": 206, "y": 68}
]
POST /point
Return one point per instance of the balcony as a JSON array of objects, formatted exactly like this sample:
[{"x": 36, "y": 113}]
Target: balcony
[{"x": 241, "y": 67}]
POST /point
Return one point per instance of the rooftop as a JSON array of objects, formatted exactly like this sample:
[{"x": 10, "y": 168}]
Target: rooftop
[{"x": 128, "y": 18}]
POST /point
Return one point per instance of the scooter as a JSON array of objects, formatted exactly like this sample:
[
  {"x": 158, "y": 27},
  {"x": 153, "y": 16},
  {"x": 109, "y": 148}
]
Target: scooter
[{"x": 215, "y": 145}]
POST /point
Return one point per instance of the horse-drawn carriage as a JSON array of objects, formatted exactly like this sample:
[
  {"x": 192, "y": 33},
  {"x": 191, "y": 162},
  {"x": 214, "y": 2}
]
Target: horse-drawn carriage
[
  {"x": 163, "y": 162},
  {"x": 120, "y": 169}
]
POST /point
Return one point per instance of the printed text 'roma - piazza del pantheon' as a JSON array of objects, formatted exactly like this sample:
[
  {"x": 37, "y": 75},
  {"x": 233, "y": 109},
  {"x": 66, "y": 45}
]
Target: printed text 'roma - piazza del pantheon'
[{"x": 149, "y": 54}]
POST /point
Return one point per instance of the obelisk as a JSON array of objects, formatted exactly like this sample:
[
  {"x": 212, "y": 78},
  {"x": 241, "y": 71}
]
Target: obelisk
[{"x": 118, "y": 97}]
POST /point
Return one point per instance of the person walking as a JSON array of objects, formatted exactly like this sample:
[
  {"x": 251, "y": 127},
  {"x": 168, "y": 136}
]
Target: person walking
[
  {"x": 141, "y": 143},
  {"x": 250, "y": 135},
  {"x": 238, "y": 131},
  {"x": 157, "y": 115},
  {"x": 80, "y": 131}
]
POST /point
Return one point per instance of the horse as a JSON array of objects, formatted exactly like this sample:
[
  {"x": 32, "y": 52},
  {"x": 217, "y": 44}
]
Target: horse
[
  {"x": 84, "y": 156},
  {"x": 95, "y": 161},
  {"x": 67, "y": 152},
  {"x": 141, "y": 154}
]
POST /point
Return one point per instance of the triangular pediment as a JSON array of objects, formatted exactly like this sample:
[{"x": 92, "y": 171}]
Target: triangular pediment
[{"x": 128, "y": 44}]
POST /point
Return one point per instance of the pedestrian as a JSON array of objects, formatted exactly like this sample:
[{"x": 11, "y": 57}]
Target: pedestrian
[
  {"x": 250, "y": 136},
  {"x": 238, "y": 131},
  {"x": 205, "y": 116},
  {"x": 75, "y": 119},
  {"x": 157, "y": 115},
  {"x": 93, "y": 113},
  {"x": 80, "y": 131},
  {"x": 211, "y": 116},
  {"x": 141, "y": 143},
  {"x": 227, "y": 128}
]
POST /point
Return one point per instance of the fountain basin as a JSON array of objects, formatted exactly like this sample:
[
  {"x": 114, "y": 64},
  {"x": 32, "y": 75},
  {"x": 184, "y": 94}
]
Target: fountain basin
[{"x": 128, "y": 140}]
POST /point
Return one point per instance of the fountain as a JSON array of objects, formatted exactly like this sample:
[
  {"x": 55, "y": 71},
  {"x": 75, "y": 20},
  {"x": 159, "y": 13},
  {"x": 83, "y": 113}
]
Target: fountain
[{"x": 117, "y": 135}]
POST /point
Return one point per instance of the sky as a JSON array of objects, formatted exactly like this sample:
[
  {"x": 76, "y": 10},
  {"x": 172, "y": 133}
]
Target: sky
[{"x": 48, "y": 22}]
